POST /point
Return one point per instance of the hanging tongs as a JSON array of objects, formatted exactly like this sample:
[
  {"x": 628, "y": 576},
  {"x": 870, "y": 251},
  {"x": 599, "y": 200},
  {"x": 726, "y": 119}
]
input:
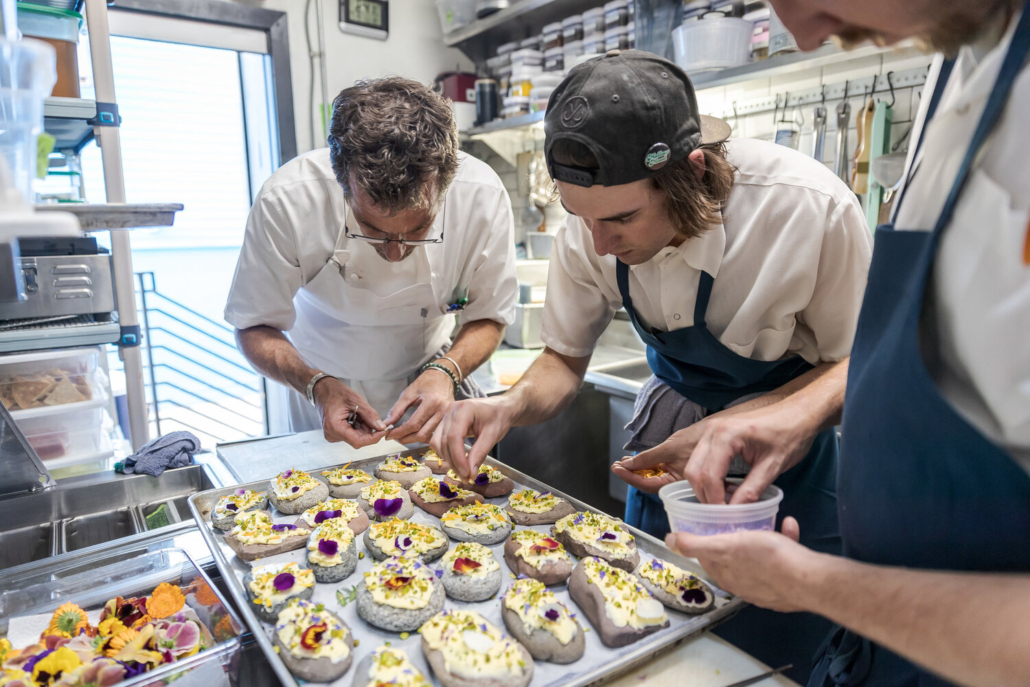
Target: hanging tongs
[
  {"x": 840, "y": 163},
  {"x": 819, "y": 126}
]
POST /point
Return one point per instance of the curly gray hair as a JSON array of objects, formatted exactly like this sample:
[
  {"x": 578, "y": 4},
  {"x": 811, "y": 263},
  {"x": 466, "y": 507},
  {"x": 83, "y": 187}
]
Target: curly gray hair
[{"x": 396, "y": 139}]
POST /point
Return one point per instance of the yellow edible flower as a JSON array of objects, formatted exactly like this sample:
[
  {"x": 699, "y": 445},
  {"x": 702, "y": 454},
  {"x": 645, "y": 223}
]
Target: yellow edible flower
[
  {"x": 66, "y": 621},
  {"x": 111, "y": 626},
  {"x": 59, "y": 661}
]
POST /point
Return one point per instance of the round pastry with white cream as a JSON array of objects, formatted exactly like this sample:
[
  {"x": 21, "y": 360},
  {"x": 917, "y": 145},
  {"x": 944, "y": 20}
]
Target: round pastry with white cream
[
  {"x": 240, "y": 501},
  {"x": 465, "y": 649},
  {"x": 436, "y": 496},
  {"x": 294, "y": 491},
  {"x": 406, "y": 539},
  {"x": 595, "y": 534},
  {"x": 335, "y": 509},
  {"x": 483, "y": 523},
  {"x": 541, "y": 623},
  {"x": 314, "y": 643},
  {"x": 332, "y": 551},
  {"x": 399, "y": 594},
  {"x": 384, "y": 499},
  {"x": 255, "y": 535},
  {"x": 346, "y": 482},
  {"x": 538, "y": 556},
  {"x": 530, "y": 507},
  {"x": 470, "y": 572},
  {"x": 270, "y": 587},
  {"x": 489, "y": 482},
  {"x": 388, "y": 666},
  {"x": 432, "y": 460},
  {"x": 404, "y": 469},
  {"x": 675, "y": 587},
  {"x": 618, "y": 606}
]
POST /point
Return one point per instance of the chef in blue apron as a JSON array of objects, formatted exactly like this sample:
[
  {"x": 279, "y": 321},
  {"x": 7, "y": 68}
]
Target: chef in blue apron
[
  {"x": 934, "y": 486},
  {"x": 741, "y": 266}
]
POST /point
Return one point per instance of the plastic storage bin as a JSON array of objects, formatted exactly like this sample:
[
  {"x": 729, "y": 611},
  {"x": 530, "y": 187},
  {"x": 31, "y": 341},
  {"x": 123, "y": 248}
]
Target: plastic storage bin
[
  {"x": 455, "y": 14},
  {"x": 712, "y": 44},
  {"x": 552, "y": 36},
  {"x": 72, "y": 436},
  {"x": 29, "y": 599},
  {"x": 593, "y": 43},
  {"x": 617, "y": 38},
  {"x": 32, "y": 382},
  {"x": 616, "y": 13},
  {"x": 28, "y": 74},
  {"x": 572, "y": 28},
  {"x": 554, "y": 59},
  {"x": 687, "y": 514},
  {"x": 59, "y": 28},
  {"x": 593, "y": 21}
]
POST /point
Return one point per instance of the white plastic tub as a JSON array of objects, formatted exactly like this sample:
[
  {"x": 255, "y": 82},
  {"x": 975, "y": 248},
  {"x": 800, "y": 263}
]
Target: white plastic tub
[
  {"x": 687, "y": 514},
  {"x": 712, "y": 44},
  {"x": 77, "y": 433},
  {"x": 32, "y": 384}
]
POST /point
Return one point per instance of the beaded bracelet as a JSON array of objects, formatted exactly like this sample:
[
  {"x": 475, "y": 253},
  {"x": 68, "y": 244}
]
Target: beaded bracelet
[{"x": 447, "y": 371}]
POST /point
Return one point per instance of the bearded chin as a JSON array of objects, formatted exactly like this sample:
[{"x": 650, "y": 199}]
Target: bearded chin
[{"x": 381, "y": 251}]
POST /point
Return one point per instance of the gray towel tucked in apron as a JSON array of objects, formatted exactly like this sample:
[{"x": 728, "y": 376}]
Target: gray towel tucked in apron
[{"x": 659, "y": 412}]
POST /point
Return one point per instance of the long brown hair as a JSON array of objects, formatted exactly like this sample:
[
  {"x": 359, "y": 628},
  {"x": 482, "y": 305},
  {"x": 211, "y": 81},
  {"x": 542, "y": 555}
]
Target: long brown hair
[{"x": 694, "y": 203}]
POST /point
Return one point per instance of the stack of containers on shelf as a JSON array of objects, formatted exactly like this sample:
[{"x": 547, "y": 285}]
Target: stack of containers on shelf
[
  {"x": 553, "y": 40},
  {"x": 593, "y": 31},
  {"x": 455, "y": 14},
  {"x": 572, "y": 33},
  {"x": 525, "y": 65},
  {"x": 59, "y": 399},
  {"x": 712, "y": 39},
  {"x": 59, "y": 26},
  {"x": 543, "y": 85},
  {"x": 760, "y": 34}
]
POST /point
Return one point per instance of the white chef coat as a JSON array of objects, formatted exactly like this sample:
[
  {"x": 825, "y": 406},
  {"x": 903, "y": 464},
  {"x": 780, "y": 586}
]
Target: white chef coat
[
  {"x": 348, "y": 311},
  {"x": 979, "y": 339},
  {"x": 789, "y": 261}
]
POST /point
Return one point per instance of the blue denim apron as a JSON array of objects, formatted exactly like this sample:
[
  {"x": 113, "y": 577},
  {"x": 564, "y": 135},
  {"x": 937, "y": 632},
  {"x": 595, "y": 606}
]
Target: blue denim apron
[
  {"x": 919, "y": 486},
  {"x": 695, "y": 364}
]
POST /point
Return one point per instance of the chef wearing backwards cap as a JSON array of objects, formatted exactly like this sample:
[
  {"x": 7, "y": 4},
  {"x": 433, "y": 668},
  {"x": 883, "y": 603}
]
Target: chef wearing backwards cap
[{"x": 741, "y": 265}]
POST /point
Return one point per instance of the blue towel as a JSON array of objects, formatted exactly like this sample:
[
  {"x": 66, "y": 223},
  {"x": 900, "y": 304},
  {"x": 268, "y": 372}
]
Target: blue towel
[{"x": 174, "y": 450}]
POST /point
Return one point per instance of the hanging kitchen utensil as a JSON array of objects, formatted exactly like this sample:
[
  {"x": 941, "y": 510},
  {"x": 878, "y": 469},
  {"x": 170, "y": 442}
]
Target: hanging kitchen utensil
[
  {"x": 787, "y": 131},
  {"x": 860, "y": 168},
  {"x": 819, "y": 129},
  {"x": 840, "y": 162},
  {"x": 879, "y": 146}
]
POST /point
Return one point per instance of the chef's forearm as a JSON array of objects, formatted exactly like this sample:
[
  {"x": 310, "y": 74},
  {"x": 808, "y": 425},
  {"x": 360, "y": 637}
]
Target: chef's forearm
[
  {"x": 547, "y": 388},
  {"x": 270, "y": 353},
  {"x": 973, "y": 629},
  {"x": 816, "y": 397},
  {"x": 474, "y": 344}
]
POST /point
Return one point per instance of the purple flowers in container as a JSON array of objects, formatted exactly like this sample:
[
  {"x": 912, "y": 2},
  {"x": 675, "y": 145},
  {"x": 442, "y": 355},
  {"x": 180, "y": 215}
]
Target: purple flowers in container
[
  {"x": 283, "y": 582},
  {"x": 328, "y": 547},
  {"x": 384, "y": 508},
  {"x": 324, "y": 515}
]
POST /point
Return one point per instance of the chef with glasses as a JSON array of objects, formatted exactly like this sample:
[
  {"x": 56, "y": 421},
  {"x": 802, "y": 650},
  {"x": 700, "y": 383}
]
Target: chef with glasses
[{"x": 377, "y": 274}]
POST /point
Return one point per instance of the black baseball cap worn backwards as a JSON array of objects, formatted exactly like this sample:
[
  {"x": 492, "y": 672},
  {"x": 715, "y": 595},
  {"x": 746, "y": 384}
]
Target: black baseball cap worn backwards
[{"x": 635, "y": 111}]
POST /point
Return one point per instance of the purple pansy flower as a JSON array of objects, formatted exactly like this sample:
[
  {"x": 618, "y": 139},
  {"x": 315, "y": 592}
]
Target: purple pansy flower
[
  {"x": 287, "y": 474},
  {"x": 284, "y": 526},
  {"x": 231, "y": 506},
  {"x": 446, "y": 491},
  {"x": 31, "y": 663},
  {"x": 657, "y": 564},
  {"x": 403, "y": 543},
  {"x": 328, "y": 547},
  {"x": 323, "y": 515},
  {"x": 133, "y": 669},
  {"x": 283, "y": 581},
  {"x": 295, "y": 489},
  {"x": 694, "y": 596},
  {"x": 578, "y": 520},
  {"x": 552, "y": 614},
  {"x": 600, "y": 573},
  {"x": 241, "y": 492},
  {"x": 439, "y": 573},
  {"x": 384, "y": 508},
  {"x": 482, "y": 479}
]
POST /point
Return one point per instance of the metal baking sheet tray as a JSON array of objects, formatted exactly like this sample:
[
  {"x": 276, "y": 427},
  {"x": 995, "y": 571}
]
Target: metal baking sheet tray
[{"x": 599, "y": 662}]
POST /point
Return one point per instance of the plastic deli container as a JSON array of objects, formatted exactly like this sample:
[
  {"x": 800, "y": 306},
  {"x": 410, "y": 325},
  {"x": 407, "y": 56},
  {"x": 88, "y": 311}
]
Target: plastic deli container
[
  {"x": 616, "y": 13},
  {"x": 712, "y": 44},
  {"x": 593, "y": 21},
  {"x": 572, "y": 28},
  {"x": 455, "y": 14},
  {"x": 71, "y": 434},
  {"x": 90, "y": 580},
  {"x": 593, "y": 43},
  {"x": 554, "y": 59},
  {"x": 538, "y": 98},
  {"x": 515, "y": 106},
  {"x": 532, "y": 43},
  {"x": 687, "y": 514},
  {"x": 495, "y": 64},
  {"x": 59, "y": 28},
  {"x": 507, "y": 48},
  {"x": 571, "y": 50},
  {"x": 552, "y": 36},
  {"x": 522, "y": 80},
  {"x": 617, "y": 38},
  {"x": 526, "y": 58},
  {"x": 33, "y": 382},
  {"x": 580, "y": 59},
  {"x": 631, "y": 34},
  {"x": 27, "y": 74}
]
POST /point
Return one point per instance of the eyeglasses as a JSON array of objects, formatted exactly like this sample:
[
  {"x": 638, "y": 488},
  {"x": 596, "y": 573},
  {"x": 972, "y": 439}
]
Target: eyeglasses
[{"x": 383, "y": 241}]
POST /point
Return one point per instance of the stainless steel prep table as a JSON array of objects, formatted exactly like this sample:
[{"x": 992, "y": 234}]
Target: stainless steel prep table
[{"x": 598, "y": 665}]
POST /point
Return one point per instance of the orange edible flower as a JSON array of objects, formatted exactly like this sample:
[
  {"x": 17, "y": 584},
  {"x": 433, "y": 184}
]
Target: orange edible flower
[
  {"x": 312, "y": 636},
  {"x": 657, "y": 471},
  {"x": 397, "y": 581},
  {"x": 465, "y": 565},
  {"x": 67, "y": 620},
  {"x": 545, "y": 544},
  {"x": 166, "y": 600}
]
